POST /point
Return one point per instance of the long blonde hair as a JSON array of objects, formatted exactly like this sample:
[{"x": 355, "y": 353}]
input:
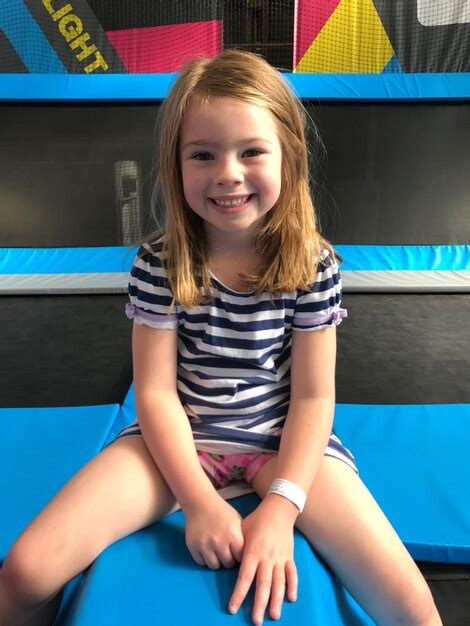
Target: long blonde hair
[{"x": 289, "y": 241}]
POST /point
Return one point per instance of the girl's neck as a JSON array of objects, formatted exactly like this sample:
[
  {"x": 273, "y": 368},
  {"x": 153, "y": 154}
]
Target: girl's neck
[{"x": 226, "y": 243}]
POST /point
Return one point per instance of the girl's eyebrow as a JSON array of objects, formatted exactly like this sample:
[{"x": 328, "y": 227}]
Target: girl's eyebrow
[{"x": 203, "y": 142}]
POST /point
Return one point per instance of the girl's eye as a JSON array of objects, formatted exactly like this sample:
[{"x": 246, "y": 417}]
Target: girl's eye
[
  {"x": 201, "y": 156},
  {"x": 253, "y": 152}
]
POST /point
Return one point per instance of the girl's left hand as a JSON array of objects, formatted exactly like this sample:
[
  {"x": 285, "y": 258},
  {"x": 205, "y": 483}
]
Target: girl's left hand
[{"x": 268, "y": 555}]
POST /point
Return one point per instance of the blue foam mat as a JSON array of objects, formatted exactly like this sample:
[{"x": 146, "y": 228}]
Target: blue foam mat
[
  {"x": 40, "y": 449},
  {"x": 411, "y": 457},
  {"x": 125, "y": 416},
  {"x": 413, "y": 460},
  {"x": 102, "y": 259},
  {"x": 141, "y": 87},
  {"x": 150, "y": 578}
]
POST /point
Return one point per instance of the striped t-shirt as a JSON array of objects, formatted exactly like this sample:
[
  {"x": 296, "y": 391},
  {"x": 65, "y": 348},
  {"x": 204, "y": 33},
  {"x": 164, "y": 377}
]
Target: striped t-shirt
[{"x": 234, "y": 354}]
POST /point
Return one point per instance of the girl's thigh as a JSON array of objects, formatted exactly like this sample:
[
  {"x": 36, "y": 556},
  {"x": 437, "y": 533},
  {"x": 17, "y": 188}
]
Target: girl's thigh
[
  {"x": 116, "y": 493},
  {"x": 347, "y": 528}
]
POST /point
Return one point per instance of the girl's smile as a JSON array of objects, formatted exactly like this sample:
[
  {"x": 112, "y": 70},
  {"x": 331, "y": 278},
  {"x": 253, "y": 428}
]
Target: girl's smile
[
  {"x": 232, "y": 204},
  {"x": 231, "y": 166}
]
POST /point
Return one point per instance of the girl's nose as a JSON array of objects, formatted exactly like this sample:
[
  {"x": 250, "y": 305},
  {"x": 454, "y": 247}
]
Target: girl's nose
[{"x": 229, "y": 172}]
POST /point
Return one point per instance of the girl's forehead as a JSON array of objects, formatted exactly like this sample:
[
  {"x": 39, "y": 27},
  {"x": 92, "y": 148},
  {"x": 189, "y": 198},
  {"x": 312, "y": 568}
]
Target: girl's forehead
[{"x": 223, "y": 112}]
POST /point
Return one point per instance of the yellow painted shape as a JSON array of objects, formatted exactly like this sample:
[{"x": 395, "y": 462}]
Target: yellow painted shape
[{"x": 353, "y": 40}]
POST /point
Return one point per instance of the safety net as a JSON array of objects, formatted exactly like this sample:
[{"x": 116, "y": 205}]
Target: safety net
[{"x": 306, "y": 36}]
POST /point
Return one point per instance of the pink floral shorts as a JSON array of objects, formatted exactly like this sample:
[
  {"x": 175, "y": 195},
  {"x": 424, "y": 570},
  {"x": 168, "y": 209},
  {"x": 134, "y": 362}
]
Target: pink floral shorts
[{"x": 226, "y": 468}]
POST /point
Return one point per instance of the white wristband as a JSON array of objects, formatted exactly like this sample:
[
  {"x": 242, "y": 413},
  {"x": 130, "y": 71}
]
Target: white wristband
[{"x": 289, "y": 490}]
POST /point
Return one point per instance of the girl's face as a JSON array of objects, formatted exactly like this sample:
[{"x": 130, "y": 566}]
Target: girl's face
[{"x": 231, "y": 166}]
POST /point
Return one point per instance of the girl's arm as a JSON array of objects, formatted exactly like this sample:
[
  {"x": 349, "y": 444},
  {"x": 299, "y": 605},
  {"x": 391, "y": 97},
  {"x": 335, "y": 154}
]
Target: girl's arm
[
  {"x": 309, "y": 420},
  {"x": 213, "y": 528},
  {"x": 268, "y": 531}
]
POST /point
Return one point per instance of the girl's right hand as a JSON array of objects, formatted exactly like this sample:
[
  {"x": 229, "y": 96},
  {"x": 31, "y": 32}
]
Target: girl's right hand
[{"x": 214, "y": 533}]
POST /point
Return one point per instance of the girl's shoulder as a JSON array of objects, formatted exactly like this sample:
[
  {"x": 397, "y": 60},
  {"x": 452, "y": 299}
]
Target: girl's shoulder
[
  {"x": 152, "y": 250},
  {"x": 327, "y": 259},
  {"x": 327, "y": 269}
]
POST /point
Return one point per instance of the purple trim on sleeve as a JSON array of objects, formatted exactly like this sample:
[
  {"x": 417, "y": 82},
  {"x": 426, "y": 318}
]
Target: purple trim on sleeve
[
  {"x": 321, "y": 319},
  {"x": 133, "y": 311}
]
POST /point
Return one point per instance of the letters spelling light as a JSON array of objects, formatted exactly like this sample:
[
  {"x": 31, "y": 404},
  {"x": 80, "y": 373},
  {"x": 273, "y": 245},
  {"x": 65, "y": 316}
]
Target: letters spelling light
[{"x": 71, "y": 28}]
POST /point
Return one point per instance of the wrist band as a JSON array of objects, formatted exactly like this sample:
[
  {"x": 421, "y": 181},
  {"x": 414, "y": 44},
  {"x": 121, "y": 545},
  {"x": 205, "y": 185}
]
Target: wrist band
[{"x": 289, "y": 490}]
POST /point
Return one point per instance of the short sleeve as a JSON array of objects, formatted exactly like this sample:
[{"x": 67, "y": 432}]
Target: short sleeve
[
  {"x": 320, "y": 306},
  {"x": 150, "y": 294}
]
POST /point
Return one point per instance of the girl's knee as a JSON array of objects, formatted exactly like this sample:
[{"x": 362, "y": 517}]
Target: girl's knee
[
  {"x": 24, "y": 573},
  {"x": 419, "y": 608},
  {"x": 33, "y": 569},
  {"x": 17, "y": 576}
]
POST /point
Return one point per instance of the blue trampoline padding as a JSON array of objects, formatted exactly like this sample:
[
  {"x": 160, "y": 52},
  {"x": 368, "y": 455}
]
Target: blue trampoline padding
[
  {"x": 150, "y": 578},
  {"x": 99, "y": 259},
  {"x": 414, "y": 460},
  {"x": 119, "y": 259},
  {"x": 151, "y": 87},
  {"x": 413, "y": 258},
  {"x": 125, "y": 416},
  {"x": 40, "y": 449}
]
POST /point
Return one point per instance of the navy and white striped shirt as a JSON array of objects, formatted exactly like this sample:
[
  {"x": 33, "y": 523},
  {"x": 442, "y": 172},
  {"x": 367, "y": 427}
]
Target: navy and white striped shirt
[{"x": 234, "y": 354}]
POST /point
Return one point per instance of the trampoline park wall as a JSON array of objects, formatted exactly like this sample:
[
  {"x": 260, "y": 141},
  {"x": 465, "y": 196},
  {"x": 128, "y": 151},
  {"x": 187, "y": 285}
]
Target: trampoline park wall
[{"x": 387, "y": 84}]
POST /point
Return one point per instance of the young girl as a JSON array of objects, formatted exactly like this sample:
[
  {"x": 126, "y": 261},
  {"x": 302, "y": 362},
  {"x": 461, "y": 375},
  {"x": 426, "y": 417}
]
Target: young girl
[{"x": 235, "y": 311}]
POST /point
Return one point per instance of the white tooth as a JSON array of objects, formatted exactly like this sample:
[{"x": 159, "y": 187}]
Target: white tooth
[{"x": 228, "y": 203}]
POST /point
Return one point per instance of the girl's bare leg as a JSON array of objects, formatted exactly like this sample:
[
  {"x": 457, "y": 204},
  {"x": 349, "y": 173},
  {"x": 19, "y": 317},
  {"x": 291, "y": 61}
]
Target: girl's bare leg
[
  {"x": 118, "y": 492},
  {"x": 347, "y": 528}
]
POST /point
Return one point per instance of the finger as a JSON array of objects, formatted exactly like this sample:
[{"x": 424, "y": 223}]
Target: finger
[
  {"x": 278, "y": 591},
  {"x": 226, "y": 557},
  {"x": 236, "y": 546},
  {"x": 211, "y": 560},
  {"x": 292, "y": 581},
  {"x": 262, "y": 593},
  {"x": 210, "y": 557},
  {"x": 245, "y": 578},
  {"x": 197, "y": 557}
]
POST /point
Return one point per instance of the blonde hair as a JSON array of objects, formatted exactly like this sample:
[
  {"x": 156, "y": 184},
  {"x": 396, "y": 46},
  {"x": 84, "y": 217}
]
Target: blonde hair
[{"x": 289, "y": 241}]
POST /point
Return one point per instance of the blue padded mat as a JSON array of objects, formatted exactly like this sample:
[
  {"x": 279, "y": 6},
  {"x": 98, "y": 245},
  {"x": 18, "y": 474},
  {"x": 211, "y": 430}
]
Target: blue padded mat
[
  {"x": 40, "y": 449},
  {"x": 150, "y": 578},
  {"x": 102, "y": 259},
  {"x": 414, "y": 460},
  {"x": 125, "y": 416},
  {"x": 411, "y": 457}
]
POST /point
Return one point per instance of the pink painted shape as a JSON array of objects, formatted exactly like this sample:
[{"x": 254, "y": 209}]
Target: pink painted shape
[
  {"x": 312, "y": 15},
  {"x": 166, "y": 48}
]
